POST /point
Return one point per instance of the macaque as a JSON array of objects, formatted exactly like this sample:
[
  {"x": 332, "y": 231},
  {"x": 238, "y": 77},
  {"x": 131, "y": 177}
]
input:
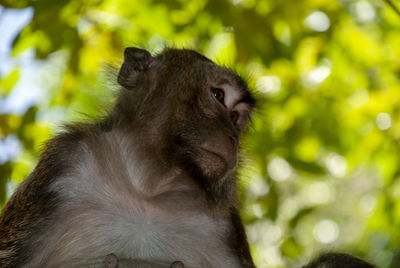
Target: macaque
[
  {"x": 338, "y": 260},
  {"x": 152, "y": 184}
]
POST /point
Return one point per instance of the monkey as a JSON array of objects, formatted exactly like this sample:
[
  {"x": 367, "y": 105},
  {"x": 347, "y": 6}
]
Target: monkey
[
  {"x": 338, "y": 260},
  {"x": 151, "y": 184}
]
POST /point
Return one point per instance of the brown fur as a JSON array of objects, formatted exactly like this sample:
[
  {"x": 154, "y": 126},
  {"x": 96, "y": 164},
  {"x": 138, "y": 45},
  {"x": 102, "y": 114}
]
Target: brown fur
[{"x": 143, "y": 162}]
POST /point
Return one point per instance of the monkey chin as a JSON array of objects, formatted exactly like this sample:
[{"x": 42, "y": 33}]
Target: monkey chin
[{"x": 213, "y": 165}]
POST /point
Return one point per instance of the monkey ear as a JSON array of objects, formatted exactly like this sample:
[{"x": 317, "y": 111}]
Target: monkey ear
[{"x": 136, "y": 61}]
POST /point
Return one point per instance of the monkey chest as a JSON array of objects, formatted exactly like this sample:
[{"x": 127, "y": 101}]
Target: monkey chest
[
  {"x": 108, "y": 209},
  {"x": 192, "y": 237},
  {"x": 139, "y": 230}
]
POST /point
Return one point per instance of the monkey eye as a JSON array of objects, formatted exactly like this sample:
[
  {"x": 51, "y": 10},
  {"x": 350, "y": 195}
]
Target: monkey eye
[
  {"x": 234, "y": 116},
  {"x": 218, "y": 94}
]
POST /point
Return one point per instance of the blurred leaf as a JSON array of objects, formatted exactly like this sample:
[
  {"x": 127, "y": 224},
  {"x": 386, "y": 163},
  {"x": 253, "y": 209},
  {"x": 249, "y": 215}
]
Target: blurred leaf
[
  {"x": 5, "y": 171},
  {"x": 7, "y": 83}
]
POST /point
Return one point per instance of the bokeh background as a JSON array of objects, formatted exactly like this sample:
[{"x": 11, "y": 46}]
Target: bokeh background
[{"x": 321, "y": 165}]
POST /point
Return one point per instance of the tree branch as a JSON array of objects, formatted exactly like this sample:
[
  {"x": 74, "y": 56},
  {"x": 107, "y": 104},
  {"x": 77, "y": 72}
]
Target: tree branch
[{"x": 393, "y": 6}]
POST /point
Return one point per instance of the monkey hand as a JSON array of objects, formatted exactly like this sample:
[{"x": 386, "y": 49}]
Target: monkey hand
[
  {"x": 111, "y": 261},
  {"x": 177, "y": 264}
]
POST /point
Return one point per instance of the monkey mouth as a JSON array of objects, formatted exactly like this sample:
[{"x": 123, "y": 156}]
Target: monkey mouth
[
  {"x": 217, "y": 160},
  {"x": 216, "y": 155},
  {"x": 228, "y": 157},
  {"x": 212, "y": 164}
]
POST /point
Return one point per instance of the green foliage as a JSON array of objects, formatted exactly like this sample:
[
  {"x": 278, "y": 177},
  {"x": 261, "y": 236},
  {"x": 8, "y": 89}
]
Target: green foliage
[
  {"x": 8, "y": 82},
  {"x": 321, "y": 167}
]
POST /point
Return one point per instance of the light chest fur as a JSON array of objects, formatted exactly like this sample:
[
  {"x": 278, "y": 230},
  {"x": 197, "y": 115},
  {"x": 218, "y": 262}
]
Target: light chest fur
[{"x": 115, "y": 200}]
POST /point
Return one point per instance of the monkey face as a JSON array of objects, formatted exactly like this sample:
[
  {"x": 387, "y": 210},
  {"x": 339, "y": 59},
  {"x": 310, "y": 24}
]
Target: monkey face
[
  {"x": 223, "y": 114},
  {"x": 199, "y": 110}
]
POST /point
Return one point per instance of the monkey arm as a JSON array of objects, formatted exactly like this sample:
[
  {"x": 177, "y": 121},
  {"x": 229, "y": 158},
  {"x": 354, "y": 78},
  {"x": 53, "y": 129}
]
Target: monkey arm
[
  {"x": 29, "y": 211},
  {"x": 26, "y": 213},
  {"x": 238, "y": 239}
]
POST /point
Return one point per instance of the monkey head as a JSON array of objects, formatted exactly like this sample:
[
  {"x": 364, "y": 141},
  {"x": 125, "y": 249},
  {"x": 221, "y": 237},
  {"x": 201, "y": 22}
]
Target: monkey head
[{"x": 188, "y": 109}]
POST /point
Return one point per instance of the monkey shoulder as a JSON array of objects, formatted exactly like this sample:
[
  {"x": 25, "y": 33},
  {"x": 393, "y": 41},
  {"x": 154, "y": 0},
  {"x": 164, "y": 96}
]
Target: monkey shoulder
[{"x": 25, "y": 216}]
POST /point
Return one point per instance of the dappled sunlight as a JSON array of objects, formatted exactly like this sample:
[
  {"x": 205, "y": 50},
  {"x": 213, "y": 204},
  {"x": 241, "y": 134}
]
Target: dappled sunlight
[
  {"x": 383, "y": 121},
  {"x": 317, "y": 21},
  {"x": 279, "y": 169},
  {"x": 269, "y": 84},
  {"x": 326, "y": 231}
]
